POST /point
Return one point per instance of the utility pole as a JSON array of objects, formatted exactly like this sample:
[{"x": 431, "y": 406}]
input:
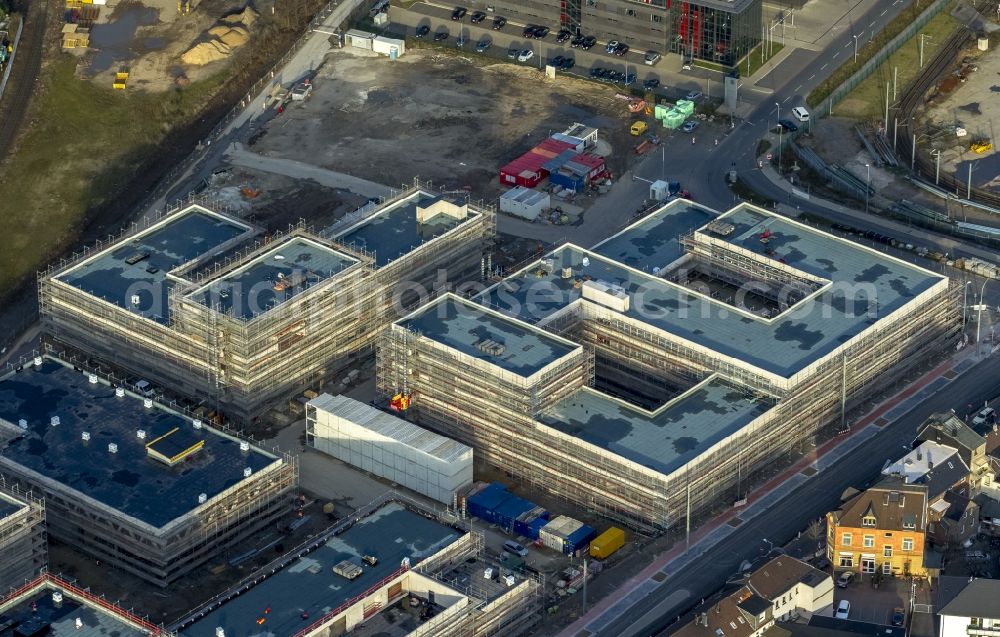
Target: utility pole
[
  {"x": 895, "y": 76},
  {"x": 921, "y": 50},
  {"x": 913, "y": 153},
  {"x": 585, "y": 560},
  {"x": 687, "y": 516},
  {"x": 886, "y": 120},
  {"x": 937, "y": 166},
  {"x": 968, "y": 187},
  {"x": 895, "y": 129},
  {"x": 843, "y": 392}
]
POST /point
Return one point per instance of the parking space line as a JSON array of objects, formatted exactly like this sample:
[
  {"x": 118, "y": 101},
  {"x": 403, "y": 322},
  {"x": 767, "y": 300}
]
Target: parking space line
[
  {"x": 812, "y": 76},
  {"x": 822, "y": 67},
  {"x": 786, "y": 99},
  {"x": 872, "y": 23},
  {"x": 884, "y": 11},
  {"x": 836, "y": 54},
  {"x": 798, "y": 87}
]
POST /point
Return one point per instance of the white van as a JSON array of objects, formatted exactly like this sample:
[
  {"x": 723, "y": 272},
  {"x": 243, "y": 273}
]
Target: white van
[
  {"x": 514, "y": 548},
  {"x": 800, "y": 114}
]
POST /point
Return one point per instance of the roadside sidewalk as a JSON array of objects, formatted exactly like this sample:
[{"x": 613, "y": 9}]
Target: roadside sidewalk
[{"x": 758, "y": 501}]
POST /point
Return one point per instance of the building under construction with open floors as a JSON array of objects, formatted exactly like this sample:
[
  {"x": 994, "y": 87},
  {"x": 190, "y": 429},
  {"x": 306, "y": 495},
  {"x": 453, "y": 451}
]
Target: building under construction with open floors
[
  {"x": 394, "y": 567},
  {"x": 143, "y": 488},
  {"x": 202, "y": 304},
  {"x": 23, "y": 546},
  {"x": 664, "y": 369}
]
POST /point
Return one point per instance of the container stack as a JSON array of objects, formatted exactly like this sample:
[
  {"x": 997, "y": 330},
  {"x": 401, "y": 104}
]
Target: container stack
[
  {"x": 566, "y": 535},
  {"x": 493, "y": 503}
]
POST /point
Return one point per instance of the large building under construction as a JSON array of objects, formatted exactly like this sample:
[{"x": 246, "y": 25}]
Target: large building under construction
[
  {"x": 143, "y": 488},
  {"x": 660, "y": 371},
  {"x": 206, "y": 306},
  {"x": 394, "y": 567},
  {"x": 23, "y": 546}
]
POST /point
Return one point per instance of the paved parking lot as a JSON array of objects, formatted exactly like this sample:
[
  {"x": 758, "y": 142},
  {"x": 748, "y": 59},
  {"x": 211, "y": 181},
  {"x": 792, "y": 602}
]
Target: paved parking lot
[
  {"x": 675, "y": 83},
  {"x": 873, "y": 605}
]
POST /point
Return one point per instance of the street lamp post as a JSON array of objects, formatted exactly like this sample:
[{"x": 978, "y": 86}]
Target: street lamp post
[
  {"x": 770, "y": 545},
  {"x": 855, "y": 49},
  {"x": 779, "y": 136},
  {"x": 965, "y": 303},
  {"x": 979, "y": 312},
  {"x": 868, "y": 185}
]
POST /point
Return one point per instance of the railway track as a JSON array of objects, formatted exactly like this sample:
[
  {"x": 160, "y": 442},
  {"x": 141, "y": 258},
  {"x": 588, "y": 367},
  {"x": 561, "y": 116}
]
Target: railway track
[
  {"x": 27, "y": 64},
  {"x": 913, "y": 96}
]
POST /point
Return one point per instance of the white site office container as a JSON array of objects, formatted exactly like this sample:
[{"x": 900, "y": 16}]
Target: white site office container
[
  {"x": 388, "y": 46},
  {"x": 389, "y": 447}
]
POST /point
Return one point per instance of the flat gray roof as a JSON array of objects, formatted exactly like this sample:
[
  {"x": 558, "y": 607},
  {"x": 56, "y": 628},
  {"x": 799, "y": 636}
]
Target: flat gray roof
[
  {"x": 394, "y": 232},
  {"x": 863, "y": 281},
  {"x": 177, "y": 240},
  {"x": 468, "y": 327},
  {"x": 309, "y": 585},
  {"x": 32, "y": 614},
  {"x": 662, "y": 440},
  {"x": 129, "y": 480},
  {"x": 653, "y": 241},
  {"x": 272, "y": 278}
]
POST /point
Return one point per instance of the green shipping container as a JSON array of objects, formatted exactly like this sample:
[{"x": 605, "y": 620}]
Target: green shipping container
[{"x": 607, "y": 543}]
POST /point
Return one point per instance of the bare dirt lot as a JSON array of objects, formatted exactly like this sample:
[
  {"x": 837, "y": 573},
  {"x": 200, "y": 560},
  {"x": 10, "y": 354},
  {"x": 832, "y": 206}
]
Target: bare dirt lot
[{"x": 440, "y": 117}]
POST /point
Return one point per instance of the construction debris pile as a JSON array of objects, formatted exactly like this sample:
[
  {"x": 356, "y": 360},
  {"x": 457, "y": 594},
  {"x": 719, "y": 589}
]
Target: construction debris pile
[{"x": 231, "y": 32}]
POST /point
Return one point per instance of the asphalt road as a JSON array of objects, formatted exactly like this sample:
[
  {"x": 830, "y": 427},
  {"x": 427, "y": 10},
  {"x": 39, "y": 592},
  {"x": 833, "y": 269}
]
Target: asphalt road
[
  {"x": 24, "y": 74},
  {"x": 821, "y": 493}
]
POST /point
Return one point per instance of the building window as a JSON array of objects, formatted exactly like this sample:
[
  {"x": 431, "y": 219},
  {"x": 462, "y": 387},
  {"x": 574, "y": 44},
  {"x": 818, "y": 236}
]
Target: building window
[
  {"x": 659, "y": 18},
  {"x": 867, "y": 564},
  {"x": 868, "y": 520},
  {"x": 846, "y": 539},
  {"x": 846, "y": 561},
  {"x": 909, "y": 524},
  {"x": 907, "y": 543},
  {"x": 886, "y": 568},
  {"x": 887, "y": 551},
  {"x": 869, "y": 541}
]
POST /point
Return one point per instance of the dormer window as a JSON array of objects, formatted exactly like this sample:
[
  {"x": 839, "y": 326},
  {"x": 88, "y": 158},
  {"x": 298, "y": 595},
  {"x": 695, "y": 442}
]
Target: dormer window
[
  {"x": 909, "y": 524},
  {"x": 868, "y": 520}
]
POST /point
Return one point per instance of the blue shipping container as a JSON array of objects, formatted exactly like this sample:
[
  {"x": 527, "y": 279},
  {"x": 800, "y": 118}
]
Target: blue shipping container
[
  {"x": 495, "y": 505},
  {"x": 578, "y": 539}
]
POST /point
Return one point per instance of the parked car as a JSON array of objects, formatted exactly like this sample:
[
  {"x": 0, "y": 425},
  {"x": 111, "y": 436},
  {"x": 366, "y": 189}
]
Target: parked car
[
  {"x": 689, "y": 126},
  {"x": 985, "y": 415},
  {"x": 629, "y": 79},
  {"x": 462, "y": 39},
  {"x": 459, "y": 13},
  {"x": 512, "y": 52},
  {"x": 693, "y": 96},
  {"x": 800, "y": 114},
  {"x": 567, "y": 64},
  {"x": 477, "y": 17},
  {"x": 514, "y": 548},
  {"x": 525, "y": 55},
  {"x": 651, "y": 84},
  {"x": 651, "y": 57},
  {"x": 596, "y": 72},
  {"x": 440, "y": 36},
  {"x": 145, "y": 389},
  {"x": 483, "y": 45},
  {"x": 588, "y": 43},
  {"x": 845, "y": 579},
  {"x": 422, "y": 31},
  {"x": 576, "y": 41},
  {"x": 541, "y": 32},
  {"x": 499, "y": 22},
  {"x": 686, "y": 64},
  {"x": 898, "y": 616},
  {"x": 612, "y": 45},
  {"x": 529, "y": 31},
  {"x": 556, "y": 61},
  {"x": 621, "y": 49},
  {"x": 843, "y": 609},
  {"x": 563, "y": 35},
  {"x": 788, "y": 125}
]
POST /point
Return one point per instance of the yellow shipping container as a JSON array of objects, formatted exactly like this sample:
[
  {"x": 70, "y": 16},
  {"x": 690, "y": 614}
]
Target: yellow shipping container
[{"x": 607, "y": 543}]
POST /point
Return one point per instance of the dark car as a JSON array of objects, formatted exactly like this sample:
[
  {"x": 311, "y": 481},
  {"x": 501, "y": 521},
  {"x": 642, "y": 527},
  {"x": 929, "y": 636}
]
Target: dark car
[
  {"x": 651, "y": 84},
  {"x": 563, "y": 35},
  {"x": 483, "y": 45},
  {"x": 541, "y": 32},
  {"x": 459, "y": 13},
  {"x": 630, "y": 79},
  {"x": 477, "y": 17},
  {"x": 512, "y": 52},
  {"x": 588, "y": 43},
  {"x": 596, "y": 72},
  {"x": 422, "y": 31},
  {"x": 557, "y": 61},
  {"x": 576, "y": 41},
  {"x": 499, "y": 22},
  {"x": 621, "y": 49},
  {"x": 788, "y": 125},
  {"x": 898, "y": 616},
  {"x": 567, "y": 64},
  {"x": 440, "y": 36},
  {"x": 529, "y": 31}
]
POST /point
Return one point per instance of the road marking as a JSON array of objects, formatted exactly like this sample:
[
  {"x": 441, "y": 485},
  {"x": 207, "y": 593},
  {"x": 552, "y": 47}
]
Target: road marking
[
  {"x": 836, "y": 54},
  {"x": 872, "y": 24},
  {"x": 812, "y": 76},
  {"x": 884, "y": 11},
  {"x": 797, "y": 88},
  {"x": 822, "y": 67},
  {"x": 786, "y": 99},
  {"x": 848, "y": 45}
]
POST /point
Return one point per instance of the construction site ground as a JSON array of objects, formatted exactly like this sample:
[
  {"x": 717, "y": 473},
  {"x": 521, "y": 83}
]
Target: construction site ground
[
  {"x": 972, "y": 105},
  {"x": 441, "y": 117}
]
